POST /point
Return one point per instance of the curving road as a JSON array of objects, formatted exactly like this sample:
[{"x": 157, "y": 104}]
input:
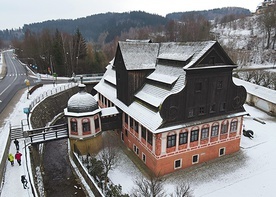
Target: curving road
[{"x": 13, "y": 81}]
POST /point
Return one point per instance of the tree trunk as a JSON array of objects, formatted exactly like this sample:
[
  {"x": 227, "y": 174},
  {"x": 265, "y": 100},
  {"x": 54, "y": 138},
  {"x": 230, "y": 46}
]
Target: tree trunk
[
  {"x": 268, "y": 38},
  {"x": 274, "y": 39}
]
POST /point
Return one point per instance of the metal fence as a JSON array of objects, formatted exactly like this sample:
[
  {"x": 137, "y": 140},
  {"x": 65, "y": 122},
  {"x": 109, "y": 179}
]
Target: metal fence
[{"x": 51, "y": 92}]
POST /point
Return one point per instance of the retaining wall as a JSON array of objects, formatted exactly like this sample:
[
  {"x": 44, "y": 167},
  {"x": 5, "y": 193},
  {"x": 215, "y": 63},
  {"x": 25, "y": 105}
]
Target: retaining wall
[
  {"x": 261, "y": 97},
  {"x": 47, "y": 109}
]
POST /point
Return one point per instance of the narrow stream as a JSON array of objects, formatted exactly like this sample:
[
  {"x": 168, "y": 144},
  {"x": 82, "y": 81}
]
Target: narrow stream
[{"x": 59, "y": 179}]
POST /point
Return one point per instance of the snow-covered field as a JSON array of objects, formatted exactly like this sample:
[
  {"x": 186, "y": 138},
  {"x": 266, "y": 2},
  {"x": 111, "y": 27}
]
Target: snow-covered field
[
  {"x": 250, "y": 172},
  {"x": 12, "y": 185}
]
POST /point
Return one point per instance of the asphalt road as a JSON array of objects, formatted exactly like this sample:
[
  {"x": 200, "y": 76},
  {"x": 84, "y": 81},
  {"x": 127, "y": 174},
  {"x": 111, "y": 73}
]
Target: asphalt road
[
  {"x": 13, "y": 81},
  {"x": 15, "y": 78}
]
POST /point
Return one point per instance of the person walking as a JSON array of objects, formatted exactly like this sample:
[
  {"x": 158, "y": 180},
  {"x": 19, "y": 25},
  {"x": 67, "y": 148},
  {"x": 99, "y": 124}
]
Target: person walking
[
  {"x": 24, "y": 181},
  {"x": 11, "y": 159},
  {"x": 18, "y": 157},
  {"x": 16, "y": 144}
]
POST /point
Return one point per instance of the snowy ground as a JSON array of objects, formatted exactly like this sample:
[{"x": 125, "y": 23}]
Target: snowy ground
[
  {"x": 250, "y": 172},
  {"x": 12, "y": 183}
]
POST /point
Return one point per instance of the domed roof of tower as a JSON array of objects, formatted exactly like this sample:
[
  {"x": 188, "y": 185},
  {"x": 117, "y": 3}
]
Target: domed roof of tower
[{"x": 82, "y": 101}]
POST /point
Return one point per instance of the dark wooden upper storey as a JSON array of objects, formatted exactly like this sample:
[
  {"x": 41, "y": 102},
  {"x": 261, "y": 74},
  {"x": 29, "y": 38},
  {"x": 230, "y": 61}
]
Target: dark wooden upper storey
[{"x": 183, "y": 82}]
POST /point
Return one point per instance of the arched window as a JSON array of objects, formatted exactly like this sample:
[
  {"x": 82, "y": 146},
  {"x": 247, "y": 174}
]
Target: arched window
[
  {"x": 215, "y": 130},
  {"x": 234, "y": 125},
  {"x": 73, "y": 126},
  {"x": 86, "y": 125},
  {"x": 204, "y": 133},
  {"x": 171, "y": 140},
  {"x": 97, "y": 123},
  {"x": 224, "y": 127},
  {"x": 183, "y": 137}
]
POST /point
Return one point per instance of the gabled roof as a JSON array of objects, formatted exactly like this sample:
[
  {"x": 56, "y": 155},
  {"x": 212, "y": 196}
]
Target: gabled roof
[
  {"x": 144, "y": 55},
  {"x": 167, "y": 77},
  {"x": 139, "y": 55},
  {"x": 183, "y": 51}
]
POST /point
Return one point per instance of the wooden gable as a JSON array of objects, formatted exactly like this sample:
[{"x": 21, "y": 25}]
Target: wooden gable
[
  {"x": 209, "y": 90},
  {"x": 215, "y": 56}
]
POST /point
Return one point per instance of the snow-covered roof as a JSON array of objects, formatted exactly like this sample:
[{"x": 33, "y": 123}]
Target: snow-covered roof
[
  {"x": 139, "y": 55},
  {"x": 199, "y": 49},
  {"x": 167, "y": 78},
  {"x": 82, "y": 102},
  {"x": 160, "y": 77},
  {"x": 176, "y": 51},
  {"x": 82, "y": 114},
  {"x": 109, "y": 111},
  {"x": 260, "y": 91}
]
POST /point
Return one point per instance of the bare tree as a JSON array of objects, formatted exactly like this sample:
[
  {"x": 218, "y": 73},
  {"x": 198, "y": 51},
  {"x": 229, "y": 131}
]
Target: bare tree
[
  {"x": 152, "y": 187},
  {"x": 268, "y": 79},
  {"x": 268, "y": 21},
  {"x": 247, "y": 76},
  {"x": 273, "y": 81},
  {"x": 258, "y": 76},
  {"x": 108, "y": 157},
  {"x": 183, "y": 190}
]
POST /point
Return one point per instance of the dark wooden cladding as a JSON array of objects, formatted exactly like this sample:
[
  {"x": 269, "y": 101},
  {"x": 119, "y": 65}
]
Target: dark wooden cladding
[
  {"x": 208, "y": 90},
  {"x": 128, "y": 82},
  {"x": 208, "y": 93}
]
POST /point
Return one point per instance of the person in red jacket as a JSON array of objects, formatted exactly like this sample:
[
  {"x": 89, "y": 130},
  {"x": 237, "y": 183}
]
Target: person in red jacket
[{"x": 18, "y": 157}]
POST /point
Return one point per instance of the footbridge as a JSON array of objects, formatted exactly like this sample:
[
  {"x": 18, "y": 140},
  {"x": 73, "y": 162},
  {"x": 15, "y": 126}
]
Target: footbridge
[{"x": 42, "y": 135}]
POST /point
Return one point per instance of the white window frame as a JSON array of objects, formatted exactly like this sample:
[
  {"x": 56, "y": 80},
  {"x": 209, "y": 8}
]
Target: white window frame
[
  {"x": 144, "y": 156},
  {"x": 180, "y": 166},
  {"x": 206, "y": 129},
  {"x": 234, "y": 126},
  {"x": 214, "y": 130},
  {"x": 224, "y": 150},
  {"x": 193, "y": 159}
]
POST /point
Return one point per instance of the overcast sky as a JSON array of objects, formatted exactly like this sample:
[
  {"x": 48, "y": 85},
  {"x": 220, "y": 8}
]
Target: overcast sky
[{"x": 16, "y": 13}]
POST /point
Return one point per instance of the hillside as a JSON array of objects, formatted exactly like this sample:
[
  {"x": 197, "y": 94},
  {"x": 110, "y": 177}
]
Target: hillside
[
  {"x": 214, "y": 14},
  {"x": 245, "y": 40},
  {"x": 114, "y": 24},
  {"x": 92, "y": 26}
]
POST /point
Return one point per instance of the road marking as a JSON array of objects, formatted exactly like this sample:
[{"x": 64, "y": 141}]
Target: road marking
[{"x": 13, "y": 79}]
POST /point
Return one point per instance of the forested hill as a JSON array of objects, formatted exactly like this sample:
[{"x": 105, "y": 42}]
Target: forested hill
[
  {"x": 112, "y": 25},
  {"x": 214, "y": 14},
  {"x": 92, "y": 26}
]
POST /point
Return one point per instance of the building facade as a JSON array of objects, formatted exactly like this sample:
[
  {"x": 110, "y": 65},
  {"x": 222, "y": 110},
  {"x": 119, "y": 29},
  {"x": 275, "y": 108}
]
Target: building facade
[{"x": 177, "y": 101}]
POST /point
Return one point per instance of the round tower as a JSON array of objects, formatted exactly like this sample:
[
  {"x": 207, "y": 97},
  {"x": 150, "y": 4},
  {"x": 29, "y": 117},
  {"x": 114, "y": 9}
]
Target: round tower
[{"x": 83, "y": 115}]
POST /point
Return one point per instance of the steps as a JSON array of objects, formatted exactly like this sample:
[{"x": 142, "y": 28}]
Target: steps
[{"x": 16, "y": 133}]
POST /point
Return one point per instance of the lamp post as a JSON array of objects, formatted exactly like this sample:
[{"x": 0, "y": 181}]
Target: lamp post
[
  {"x": 77, "y": 62},
  {"x": 27, "y": 82},
  {"x": 51, "y": 64}
]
